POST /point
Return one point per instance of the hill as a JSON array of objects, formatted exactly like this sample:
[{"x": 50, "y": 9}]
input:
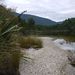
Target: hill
[{"x": 38, "y": 20}]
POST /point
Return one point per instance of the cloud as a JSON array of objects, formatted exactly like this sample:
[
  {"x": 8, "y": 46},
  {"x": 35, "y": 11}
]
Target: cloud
[
  {"x": 53, "y": 9},
  {"x": 67, "y": 11}
]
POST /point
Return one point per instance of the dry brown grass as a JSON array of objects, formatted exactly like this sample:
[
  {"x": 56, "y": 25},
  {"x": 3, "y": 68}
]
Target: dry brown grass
[{"x": 30, "y": 42}]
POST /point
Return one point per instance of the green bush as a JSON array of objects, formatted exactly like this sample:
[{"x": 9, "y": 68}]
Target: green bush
[{"x": 30, "y": 42}]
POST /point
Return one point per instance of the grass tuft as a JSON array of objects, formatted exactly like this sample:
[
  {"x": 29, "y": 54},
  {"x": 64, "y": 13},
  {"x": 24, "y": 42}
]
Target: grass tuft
[{"x": 30, "y": 42}]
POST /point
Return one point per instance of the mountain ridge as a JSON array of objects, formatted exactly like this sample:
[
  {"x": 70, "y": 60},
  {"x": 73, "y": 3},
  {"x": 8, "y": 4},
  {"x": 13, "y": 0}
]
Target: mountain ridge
[{"x": 38, "y": 20}]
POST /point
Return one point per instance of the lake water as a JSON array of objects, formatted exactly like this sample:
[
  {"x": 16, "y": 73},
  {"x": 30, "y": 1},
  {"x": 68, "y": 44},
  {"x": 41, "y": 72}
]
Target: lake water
[{"x": 64, "y": 45}]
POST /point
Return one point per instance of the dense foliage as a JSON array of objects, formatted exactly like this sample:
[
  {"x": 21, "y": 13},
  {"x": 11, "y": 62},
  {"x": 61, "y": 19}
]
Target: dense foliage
[
  {"x": 9, "y": 55},
  {"x": 67, "y": 27}
]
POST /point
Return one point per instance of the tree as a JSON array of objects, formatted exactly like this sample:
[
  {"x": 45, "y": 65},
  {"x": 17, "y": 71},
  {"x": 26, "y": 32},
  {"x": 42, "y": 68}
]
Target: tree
[
  {"x": 31, "y": 26},
  {"x": 31, "y": 23}
]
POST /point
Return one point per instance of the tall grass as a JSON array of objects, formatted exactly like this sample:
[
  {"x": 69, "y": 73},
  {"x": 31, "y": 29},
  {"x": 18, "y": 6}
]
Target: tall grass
[
  {"x": 9, "y": 55},
  {"x": 9, "y": 58},
  {"x": 30, "y": 42}
]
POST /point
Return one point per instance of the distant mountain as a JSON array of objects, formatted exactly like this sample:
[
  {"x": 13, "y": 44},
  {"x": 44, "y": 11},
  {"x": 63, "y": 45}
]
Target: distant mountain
[{"x": 38, "y": 20}]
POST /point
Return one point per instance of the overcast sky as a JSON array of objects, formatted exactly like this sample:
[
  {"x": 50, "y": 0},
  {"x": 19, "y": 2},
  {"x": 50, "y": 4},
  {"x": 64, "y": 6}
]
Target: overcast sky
[{"x": 56, "y": 10}]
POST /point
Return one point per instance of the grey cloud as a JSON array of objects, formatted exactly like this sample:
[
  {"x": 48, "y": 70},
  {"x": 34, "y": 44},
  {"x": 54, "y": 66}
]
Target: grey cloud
[{"x": 57, "y": 10}]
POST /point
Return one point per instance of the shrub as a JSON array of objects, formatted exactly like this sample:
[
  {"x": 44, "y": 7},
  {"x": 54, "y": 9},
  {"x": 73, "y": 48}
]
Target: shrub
[{"x": 30, "y": 42}]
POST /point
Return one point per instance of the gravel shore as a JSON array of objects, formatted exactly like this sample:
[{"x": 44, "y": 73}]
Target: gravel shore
[{"x": 49, "y": 60}]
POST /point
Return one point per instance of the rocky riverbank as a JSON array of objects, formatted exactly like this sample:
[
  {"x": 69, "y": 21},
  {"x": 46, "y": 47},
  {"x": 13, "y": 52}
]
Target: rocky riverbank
[{"x": 49, "y": 60}]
